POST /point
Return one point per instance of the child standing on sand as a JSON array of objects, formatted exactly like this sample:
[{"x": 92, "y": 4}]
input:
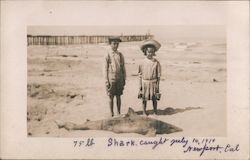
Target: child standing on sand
[
  {"x": 149, "y": 75},
  {"x": 115, "y": 74}
]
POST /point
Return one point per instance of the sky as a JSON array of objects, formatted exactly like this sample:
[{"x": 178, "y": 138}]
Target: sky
[{"x": 166, "y": 20}]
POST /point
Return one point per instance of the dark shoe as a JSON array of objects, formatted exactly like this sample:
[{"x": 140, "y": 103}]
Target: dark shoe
[
  {"x": 112, "y": 114},
  {"x": 145, "y": 113}
]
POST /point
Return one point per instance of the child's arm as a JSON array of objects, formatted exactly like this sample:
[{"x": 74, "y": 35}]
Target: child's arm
[
  {"x": 140, "y": 82},
  {"x": 158, "y": 76},
  {"x": 106, "y": 69},
  {"x": 158, "y": 84},
  {"x": 123, "y": 68},
  {"x": 140, "y": 77}
]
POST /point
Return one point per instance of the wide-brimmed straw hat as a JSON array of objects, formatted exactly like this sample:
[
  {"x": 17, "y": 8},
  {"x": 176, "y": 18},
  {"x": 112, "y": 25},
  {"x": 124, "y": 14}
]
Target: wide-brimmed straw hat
[
  {"x": 114, "y": 38},
  {"x": 150, "y": 42}
]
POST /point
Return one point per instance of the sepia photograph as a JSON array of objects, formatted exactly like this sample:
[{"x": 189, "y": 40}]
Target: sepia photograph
[{"x": 126, "y": 81}]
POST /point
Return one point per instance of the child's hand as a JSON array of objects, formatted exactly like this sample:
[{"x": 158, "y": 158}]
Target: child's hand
[
  {"x": 157, "y": 89},
  {"x": 107, "y": 84},
  {"x": 139, "y": 94}
]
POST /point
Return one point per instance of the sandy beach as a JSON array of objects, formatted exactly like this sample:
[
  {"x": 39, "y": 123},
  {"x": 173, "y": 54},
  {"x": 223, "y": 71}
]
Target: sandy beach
[{"x": 66, "y": 83}]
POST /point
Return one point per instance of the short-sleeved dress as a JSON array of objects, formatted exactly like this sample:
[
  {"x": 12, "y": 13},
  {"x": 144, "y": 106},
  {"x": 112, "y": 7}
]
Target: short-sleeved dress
[
  {"x": 114, "y": 72},
  {"x": 149, "y": 72}
]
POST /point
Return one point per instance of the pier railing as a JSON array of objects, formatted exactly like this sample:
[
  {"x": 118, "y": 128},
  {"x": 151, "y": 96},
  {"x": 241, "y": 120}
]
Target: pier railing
[{"x": 70, "y": 40}]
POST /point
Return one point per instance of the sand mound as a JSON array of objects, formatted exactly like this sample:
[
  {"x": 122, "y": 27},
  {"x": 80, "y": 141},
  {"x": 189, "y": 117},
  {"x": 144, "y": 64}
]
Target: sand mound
[
  {"x": 37, "y": 112},
  {"x": 40, "y": 91}
]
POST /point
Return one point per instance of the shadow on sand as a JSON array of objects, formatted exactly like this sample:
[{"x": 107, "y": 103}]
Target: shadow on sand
[{"x": 169, "y": 110}]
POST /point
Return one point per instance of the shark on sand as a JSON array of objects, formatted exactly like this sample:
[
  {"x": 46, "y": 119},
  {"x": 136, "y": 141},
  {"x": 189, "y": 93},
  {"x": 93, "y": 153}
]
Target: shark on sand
[{"x": 128, "y": 123}]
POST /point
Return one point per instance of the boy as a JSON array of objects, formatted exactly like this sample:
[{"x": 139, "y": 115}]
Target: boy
[
  {"x": 149, "y": 75},
  {"x": 115, "y": 74}
]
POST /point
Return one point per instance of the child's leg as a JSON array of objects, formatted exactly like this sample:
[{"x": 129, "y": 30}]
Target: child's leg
[
  {"x": 118, "y": 103},
  {"x": 154, "y": 105},
  {"x": 111, "y": 103},
  {"x": 144, "y": 107}
]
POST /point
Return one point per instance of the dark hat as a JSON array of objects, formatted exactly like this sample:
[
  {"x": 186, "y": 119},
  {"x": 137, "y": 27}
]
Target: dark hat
[
  {"x": 150, "y": 42},
  {"x": 114, "y": 38}
]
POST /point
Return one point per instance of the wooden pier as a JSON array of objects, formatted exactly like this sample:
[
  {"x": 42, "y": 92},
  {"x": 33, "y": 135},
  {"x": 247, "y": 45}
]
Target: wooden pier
[{"x": 71, "y": 40}]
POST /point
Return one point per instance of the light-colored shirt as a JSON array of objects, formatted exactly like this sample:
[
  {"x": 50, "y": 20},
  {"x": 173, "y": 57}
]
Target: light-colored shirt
[
  {"x": 149, "y": 69},
  {"x": 114, "y": 66}
]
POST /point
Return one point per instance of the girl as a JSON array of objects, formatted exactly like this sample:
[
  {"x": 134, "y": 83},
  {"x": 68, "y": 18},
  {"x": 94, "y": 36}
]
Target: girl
[{"x": 149, "y": 75}]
